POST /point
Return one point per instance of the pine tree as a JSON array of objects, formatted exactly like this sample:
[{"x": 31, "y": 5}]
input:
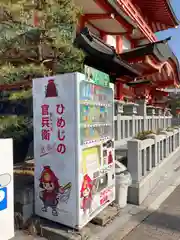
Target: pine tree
[{"x": 36, "y": 39}]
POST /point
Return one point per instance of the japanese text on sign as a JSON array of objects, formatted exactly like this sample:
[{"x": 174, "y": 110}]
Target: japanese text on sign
[
  {"x": 61, "y": 123},
  {"x": 46, "y": 122},
  {"x": 105, "y": 196}
]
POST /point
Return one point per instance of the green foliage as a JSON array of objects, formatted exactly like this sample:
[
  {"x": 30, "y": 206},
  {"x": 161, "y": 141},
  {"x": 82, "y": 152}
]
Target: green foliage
[
  {"x": 49, "y": 44},
  {"x": 14, "y": 126},
  {"x": 24, "y": 94},
  {"x": 143, "y": 135},
  {"x": 11, "y": 74},
  {"x": 28, "y": 52}
]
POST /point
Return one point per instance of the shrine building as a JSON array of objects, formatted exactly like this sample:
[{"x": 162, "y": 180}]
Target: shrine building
[{"x": 118, "y": 37}]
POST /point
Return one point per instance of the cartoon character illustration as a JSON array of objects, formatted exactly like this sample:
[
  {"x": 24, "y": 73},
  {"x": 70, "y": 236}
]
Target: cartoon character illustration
[
  {"x": 51, "y": 90},
  {"x": 86, "y": 193},
  {"x": 52, "y": 191},
  {"x": 5, "y": 179}
]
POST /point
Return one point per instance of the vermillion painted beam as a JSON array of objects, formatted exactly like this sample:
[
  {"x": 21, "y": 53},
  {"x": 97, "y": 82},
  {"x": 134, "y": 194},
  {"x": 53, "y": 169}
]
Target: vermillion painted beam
[
  {"x": 117, "y": 33},
  {"x": 97, "y": 16},
  {"x": 131, "y": 11},
  {"x": 106, "y": 7},
  {"x": 159, "y": 12}
]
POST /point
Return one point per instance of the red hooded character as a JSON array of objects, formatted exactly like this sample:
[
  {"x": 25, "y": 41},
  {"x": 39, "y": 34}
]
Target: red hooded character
[
  {"x": 50, "y": 185},
  {"x": 110, "y": 158},
  {"x": 51, "y": 90},
  {"x": 86, "y": 193}
]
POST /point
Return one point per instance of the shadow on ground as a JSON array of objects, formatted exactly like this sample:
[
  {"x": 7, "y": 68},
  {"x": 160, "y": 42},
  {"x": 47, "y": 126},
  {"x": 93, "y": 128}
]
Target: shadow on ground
[{"x": 163, "y": 224}]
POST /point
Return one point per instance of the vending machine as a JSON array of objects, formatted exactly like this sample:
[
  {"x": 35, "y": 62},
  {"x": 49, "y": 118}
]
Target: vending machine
[{"x": 73, "y": 147}]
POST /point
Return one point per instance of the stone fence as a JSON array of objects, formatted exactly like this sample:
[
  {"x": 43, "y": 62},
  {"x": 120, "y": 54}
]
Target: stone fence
[
  {"x": 129, "y": 126},
  {"x": 175, "y": 121},
  {"x": 145, "y": 158},
  {"x": 130, "y": 120}
]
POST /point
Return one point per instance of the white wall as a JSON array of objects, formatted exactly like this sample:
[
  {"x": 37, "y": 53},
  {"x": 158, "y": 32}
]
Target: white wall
[
  {"x": 111, "y": 40},
  {"x": 126, "y": 44}
]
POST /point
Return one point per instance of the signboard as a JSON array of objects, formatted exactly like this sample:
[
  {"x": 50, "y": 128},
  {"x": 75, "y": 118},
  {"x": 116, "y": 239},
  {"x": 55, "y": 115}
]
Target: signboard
[
  {"x": 97, "y": 77},
  {"x": 6, "y": 190}
]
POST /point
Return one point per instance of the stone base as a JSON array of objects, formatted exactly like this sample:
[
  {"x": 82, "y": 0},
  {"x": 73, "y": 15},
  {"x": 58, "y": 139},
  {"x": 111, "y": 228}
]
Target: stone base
[
  {"x": 54, "y": 231},
  {"x": 137, "y": 193},
  {"x": 106, "y": 216},
  {"x": 23, "y": 199},
  {"x": 22, "y": 214}
]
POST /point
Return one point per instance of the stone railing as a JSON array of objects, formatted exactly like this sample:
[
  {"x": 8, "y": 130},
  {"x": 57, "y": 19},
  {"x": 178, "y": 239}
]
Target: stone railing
[
  {"x": 176, "y": 121},
  {"x": 128, "y": 122},
  {"x": 144, "y": 156}
]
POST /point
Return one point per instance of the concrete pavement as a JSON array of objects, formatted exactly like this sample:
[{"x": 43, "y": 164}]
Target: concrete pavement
[
  {"x": 163, "y": 224},
  {"x": 20, "y": 235},
  {"x": 154, "y": 223},
  {"x": 134, "y": 220}
]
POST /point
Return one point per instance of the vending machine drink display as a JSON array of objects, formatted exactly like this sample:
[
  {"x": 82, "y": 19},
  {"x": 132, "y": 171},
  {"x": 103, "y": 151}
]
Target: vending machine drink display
[{"x": 73, "y": 147}]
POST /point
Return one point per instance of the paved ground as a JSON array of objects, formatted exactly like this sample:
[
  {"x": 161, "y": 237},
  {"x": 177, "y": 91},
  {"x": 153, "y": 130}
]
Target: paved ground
[
  {"x": 164, "y": 224},
  {"x": 22, "y": 236}
]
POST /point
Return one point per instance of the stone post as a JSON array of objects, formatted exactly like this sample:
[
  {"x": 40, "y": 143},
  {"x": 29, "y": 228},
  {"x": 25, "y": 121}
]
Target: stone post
[
  {"x": 134, "y": 160},
  {"x": 142, "y": 111},
  {"x": 151, "y": 112},
  {"x": 167, "y": 113},
  {"x": 130, "y": 109},
  {"x": 154, "y": 148},
  {"x": 118, "y": 113},
  {"x": 158, "y": 112}
]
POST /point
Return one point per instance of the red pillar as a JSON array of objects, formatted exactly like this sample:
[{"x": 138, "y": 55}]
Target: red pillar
[
  {"x": 119, "y": 85},
  {"x": 119, "y": 90},
  {"x": 103, "y": 36},
  {"x": 81, "y": 24},
  {"x": 119, "y": 44}
]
